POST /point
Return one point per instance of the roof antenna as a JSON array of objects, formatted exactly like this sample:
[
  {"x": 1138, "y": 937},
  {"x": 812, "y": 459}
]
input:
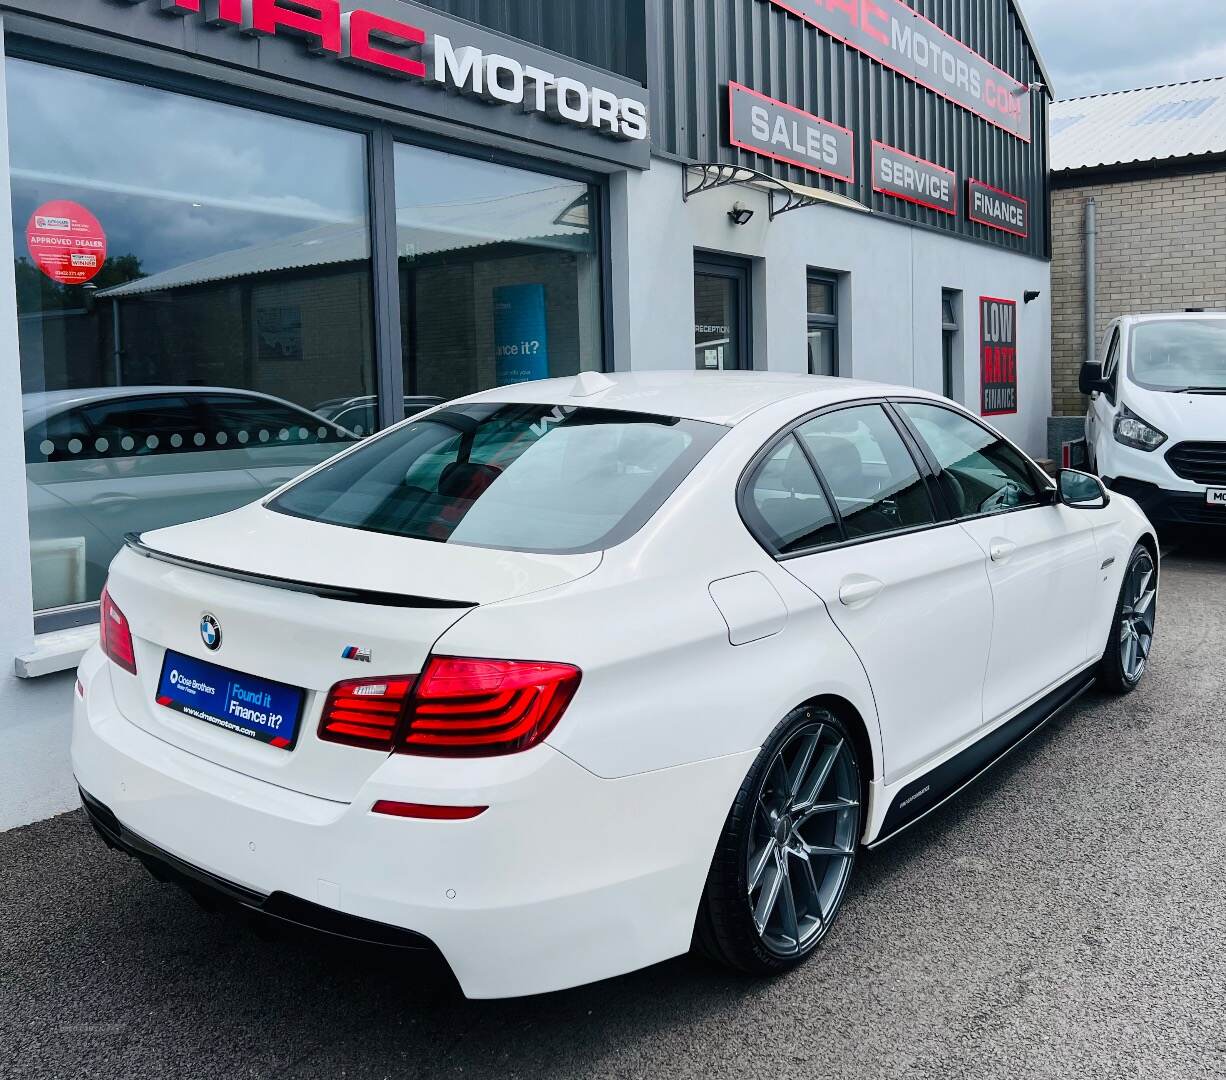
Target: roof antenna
[{"x": 588, "y": 383}]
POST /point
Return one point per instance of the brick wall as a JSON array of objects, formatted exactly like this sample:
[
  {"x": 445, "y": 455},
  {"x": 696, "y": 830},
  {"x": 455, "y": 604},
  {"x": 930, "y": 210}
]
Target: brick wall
[{"x": 1161, "y": 247}]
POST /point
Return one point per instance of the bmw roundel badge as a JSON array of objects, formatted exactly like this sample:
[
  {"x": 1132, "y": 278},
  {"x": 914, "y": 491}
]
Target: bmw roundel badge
[{"x": 210, "y": 632}]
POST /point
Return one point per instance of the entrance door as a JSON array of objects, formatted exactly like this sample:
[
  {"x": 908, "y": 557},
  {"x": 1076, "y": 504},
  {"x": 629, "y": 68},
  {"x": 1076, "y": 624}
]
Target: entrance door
[{"x": 721, "y": 313}]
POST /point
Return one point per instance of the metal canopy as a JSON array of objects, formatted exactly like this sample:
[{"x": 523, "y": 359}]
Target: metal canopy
[{"x": 782, "y": 195}]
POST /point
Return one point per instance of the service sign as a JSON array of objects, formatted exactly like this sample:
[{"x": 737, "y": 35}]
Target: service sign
[
  {"x": 893, "y": 34},
  {"x": 777, "y": 130},
  {"x": 905, "y": 176},
  {"x": 997, "y": 356},
  {"x": 997, "y": 209}
]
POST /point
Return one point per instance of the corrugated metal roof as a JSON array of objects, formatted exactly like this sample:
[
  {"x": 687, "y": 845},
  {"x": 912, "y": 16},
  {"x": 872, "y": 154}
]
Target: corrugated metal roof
[
  {"x": 1158, "y": 123},
  {"x": 549, "y": 217}
]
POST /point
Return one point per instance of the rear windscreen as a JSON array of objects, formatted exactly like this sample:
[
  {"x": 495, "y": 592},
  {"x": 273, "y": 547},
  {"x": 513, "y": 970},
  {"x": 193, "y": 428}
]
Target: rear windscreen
[{"x": 542, "y": 478}]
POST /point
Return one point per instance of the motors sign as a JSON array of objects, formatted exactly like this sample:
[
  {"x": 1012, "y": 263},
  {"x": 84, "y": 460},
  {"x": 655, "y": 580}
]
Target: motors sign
[
  {"x": 997, "y": 356},
  {"x": 413, "y": 47},
  {"x": 777, "y": 130},
  {"x": 893, "y": 34},
  {"x": 997, "y": 209},
  {"x": 905, "y": 176}
]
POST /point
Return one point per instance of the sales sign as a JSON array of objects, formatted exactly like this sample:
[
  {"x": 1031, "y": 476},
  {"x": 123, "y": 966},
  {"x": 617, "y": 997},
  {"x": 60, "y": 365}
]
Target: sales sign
[
  {"x": 997, "y": 356},
  {"x": 997, "y": 209},
  {"x": 66, "y": 242},
  {"x": 777, "y": 130},
  {"x": 894, "y": 35},
  {"x": 914, "y": 179}
]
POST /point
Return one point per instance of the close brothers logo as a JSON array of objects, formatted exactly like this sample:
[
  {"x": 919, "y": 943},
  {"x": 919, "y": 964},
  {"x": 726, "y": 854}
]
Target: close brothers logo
[{"x": 400, "y": 50}]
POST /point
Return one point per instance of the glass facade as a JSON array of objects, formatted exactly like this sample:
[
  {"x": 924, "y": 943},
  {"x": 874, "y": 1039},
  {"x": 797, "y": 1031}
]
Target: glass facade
[{"x": 195, "y": 301}]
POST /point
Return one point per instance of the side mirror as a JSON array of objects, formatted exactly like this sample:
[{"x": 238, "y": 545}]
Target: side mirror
[
  {"x": 1091, "y": 380},
  {"x": 1081, "y": 491}
]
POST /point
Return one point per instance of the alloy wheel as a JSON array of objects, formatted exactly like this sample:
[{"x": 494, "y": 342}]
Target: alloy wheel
[
  {"x": 1137, "y": 616},
  {"x": 803, "y": 839}
]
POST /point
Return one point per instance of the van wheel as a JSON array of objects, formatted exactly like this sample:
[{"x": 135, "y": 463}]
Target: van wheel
[
  {"x": 787, "y": 850},
  {"x": 1126, "y": 656}
]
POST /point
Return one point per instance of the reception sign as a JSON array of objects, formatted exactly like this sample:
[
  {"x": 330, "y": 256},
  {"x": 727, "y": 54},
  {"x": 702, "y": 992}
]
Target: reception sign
[{"x": 997, "y": 356}]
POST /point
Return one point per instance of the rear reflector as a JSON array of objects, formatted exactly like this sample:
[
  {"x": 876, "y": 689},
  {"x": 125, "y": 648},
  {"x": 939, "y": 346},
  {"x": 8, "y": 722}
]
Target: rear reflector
[
  {"x": 426, "y": 811},
  {"x": 365, "y": 712},
  {"x": 458, "y": 707},
  {"x": 115, "y": 634},
  {"x": 480, "y": 708}
]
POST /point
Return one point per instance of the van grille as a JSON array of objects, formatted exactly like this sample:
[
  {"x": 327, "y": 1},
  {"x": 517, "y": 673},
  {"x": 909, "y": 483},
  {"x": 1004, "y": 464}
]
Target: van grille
[{"x": 1200, "y": 462}]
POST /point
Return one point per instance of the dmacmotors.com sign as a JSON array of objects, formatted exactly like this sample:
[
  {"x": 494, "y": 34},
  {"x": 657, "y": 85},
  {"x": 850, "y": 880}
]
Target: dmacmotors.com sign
[{"x": 893, "y": 34}]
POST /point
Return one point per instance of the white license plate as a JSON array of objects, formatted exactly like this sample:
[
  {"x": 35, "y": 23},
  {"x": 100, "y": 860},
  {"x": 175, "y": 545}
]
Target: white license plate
[{"x": 1216, "y": 497}]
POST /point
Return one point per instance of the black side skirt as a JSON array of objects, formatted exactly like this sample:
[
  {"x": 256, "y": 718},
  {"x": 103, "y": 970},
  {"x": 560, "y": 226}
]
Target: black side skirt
[{"x": 924, "y": 795}]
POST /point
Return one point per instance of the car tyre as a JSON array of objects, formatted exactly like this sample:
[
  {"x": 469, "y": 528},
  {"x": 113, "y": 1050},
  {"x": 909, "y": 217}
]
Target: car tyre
[
  {"x": 1126, "y": 656},
  {"x": 787, "y": 849}
]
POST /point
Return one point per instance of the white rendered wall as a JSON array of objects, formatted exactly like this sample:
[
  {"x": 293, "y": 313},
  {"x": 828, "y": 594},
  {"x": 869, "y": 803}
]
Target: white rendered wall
[
  {"x": 890, "y": 302},
  {"x": 35, "y": 776}
]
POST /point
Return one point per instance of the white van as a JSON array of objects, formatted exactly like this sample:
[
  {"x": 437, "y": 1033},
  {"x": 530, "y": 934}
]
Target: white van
[{"x": 1156, "y": 426}]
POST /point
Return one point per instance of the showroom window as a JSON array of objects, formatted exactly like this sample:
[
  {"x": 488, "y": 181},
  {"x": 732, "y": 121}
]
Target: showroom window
[
  {"x": 823, "y": 323},
  {"x": 499, "y": 274},
  {"x": 194, "y": 309}
]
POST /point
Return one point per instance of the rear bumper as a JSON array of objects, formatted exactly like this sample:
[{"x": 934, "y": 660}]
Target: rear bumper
[
  {"x": 1164, "y": 506},
  {"x": 278, "y": 909},
  {"x": 566, "y": 879}
]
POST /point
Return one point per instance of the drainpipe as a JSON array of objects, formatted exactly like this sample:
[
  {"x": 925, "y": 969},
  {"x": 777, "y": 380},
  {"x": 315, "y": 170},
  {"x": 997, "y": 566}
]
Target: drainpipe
[{"x": 1091, "y": 281}]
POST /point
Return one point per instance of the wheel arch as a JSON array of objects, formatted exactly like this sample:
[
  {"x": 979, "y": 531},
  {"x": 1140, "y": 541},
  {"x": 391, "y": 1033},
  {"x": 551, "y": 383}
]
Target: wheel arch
[{"x": 858, "y": 728}]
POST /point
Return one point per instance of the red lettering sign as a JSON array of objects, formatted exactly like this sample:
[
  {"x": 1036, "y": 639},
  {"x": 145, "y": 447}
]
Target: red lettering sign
[
  {"x": 358, "y": 28},
  {"x": 319, "y": 21},
  {"x": 66, "y": 242}
]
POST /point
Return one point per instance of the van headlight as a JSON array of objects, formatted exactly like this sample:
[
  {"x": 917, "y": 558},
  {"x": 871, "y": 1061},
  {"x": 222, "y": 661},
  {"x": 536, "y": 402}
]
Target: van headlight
[{"x": 1132, "y": 431}]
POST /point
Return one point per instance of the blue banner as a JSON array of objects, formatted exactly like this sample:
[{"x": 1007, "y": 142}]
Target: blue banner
[
  {"x": 521, "y": 341},
  {"x": 258, "y": 708}
]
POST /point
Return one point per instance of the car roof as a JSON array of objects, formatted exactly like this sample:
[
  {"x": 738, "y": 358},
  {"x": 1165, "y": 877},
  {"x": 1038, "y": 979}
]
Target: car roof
[
  {"x": 717, "y": 397},
  {"x": 1166, "y": 316},
  {"x": 41, "y": 403}
]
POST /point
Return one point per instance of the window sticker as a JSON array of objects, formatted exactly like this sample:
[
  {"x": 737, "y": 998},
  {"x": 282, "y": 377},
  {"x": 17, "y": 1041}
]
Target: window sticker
[{"x": 66, "y": 242}]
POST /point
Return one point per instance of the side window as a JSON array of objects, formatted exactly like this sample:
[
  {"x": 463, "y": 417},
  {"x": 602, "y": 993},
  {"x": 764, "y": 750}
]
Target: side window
[
  {"x": 239, "y": 421},
  {"x": 1112, "y": 363},
  {"x": 980, "y": 472},
  {"x": 59, "y": 437},
  {"x": 869, "y": 471},
  {"x": 141, "y": 426},
  {"x": 786, "y": 502}
]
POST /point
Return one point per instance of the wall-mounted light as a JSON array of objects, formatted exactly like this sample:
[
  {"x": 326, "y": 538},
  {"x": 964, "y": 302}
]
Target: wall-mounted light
[
  {"x": 1031, "y": 294},
  {"x": 740, "y": 215}
]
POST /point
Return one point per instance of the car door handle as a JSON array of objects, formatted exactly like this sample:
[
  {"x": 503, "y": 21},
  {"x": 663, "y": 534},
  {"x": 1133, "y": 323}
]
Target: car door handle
[
  {"x": 1001, "y": 550},
  {"x": 858, "y": 590}
]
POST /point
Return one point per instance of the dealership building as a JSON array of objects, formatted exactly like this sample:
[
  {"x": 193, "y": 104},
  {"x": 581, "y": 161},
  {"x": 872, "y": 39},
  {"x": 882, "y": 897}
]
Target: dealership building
[{"x": 245, "y": 232}]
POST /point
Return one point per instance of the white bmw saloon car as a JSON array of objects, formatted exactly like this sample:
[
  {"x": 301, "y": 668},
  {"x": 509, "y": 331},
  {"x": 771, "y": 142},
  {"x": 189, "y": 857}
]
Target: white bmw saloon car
[{"x": 565, "y": 678}]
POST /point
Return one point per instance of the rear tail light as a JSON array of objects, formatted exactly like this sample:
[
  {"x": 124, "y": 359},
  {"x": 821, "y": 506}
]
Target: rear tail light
[
  {"x": 457, "y": 707},
  {"x": 115, "y": 634},
  {"x": 480, "y": 708},
  {"x": 365, "y": 712}
]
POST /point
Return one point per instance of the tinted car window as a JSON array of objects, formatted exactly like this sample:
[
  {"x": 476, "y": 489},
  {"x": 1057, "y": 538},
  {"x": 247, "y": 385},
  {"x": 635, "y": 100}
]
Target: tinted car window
[
  {"x": 239, "y": 421},
  {"x": 869, "y": 471},
  {"x": 786, "y": 504},
  {"x": 518, "y": 477},
  {"x": 980, "y": 472}
]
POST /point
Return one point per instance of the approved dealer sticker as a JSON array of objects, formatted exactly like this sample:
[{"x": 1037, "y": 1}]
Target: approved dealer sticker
[{"x": 66, "y": 242}]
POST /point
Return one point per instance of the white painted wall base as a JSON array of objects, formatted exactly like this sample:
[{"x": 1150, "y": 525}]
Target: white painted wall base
[{"x": 35, "y": 770}]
